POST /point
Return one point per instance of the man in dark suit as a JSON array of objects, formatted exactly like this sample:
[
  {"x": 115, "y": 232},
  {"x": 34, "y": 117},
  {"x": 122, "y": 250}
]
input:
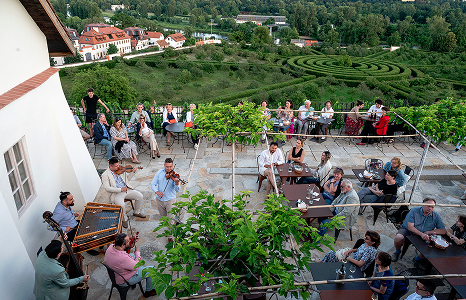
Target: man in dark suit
[{"x": 102, "y": 134}]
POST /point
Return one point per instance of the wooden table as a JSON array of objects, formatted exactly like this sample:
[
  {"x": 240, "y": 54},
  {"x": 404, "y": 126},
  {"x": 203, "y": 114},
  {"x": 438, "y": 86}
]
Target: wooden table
[
  {"x": 283, "y": 172},
  {"x": 298, "y": 191},
  {"x": 177, "y": 128},
  {"x": 368, "y": 118},
  {"x": 367, "y": 182},
  {"x": 332, "y": 291}
]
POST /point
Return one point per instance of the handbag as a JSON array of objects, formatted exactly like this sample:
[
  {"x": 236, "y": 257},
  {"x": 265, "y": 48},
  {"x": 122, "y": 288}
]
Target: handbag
[
  {"x": 188, "y": 124},
  {"x": 171, "y": 121}
]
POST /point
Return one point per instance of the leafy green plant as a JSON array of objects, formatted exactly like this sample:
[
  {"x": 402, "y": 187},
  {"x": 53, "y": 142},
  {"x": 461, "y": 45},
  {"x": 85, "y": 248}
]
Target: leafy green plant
[{"x": 224, "y": 239}]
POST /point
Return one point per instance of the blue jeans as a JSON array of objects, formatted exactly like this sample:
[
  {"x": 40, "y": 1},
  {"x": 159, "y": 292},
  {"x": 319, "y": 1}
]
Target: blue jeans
[
  {"x": 366, "y": 196},
  {"x": 322, "y": 230},
  {"x": 138, "y": 277},
  {"x": 108, "y": 144},
  {"x": 305, "y": 180},
  {"x": 327, "y": 197}
]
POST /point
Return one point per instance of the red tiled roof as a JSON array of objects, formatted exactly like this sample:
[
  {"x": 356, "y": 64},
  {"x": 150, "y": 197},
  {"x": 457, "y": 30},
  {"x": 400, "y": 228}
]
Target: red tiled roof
[
  {"x": 177, "y": 37},
  {"x": 154, "y": 34},
  {"x": 103, "y": 36},
  {"x": 163, "y": 43},
  {"x": 133, "y": 43},
  {"x": 26, "y": 86},
  {"x": 311, "y": 43}
]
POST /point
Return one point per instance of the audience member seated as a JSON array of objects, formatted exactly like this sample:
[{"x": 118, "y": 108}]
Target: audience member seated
[
  {"x": 425, "y": 289},
  {"x": 189, "y": 123},
  {"x": 395, "y": 165},
  {"x": 124, "y": 147},
  {"x": 347, "y": 196},
  {"x": 386, "y": 186},
  {"x": 322, "y": 171},
  {"x": 304, "y": 117},
  {"x": 422, "y": 221},
  {"x": 332, "y": 187},
  {"x": 287, "y": 117},
  {"x": 122, "y": 262},
  {"x": 143, "y": 131},
  {"x": 296, "y": 154},
  {"x": 102, "y": 134},
  {"x": 84, "y": 134},
  {"x": 377, "y": 108},
  {"x": 377, "y": 128},
  {"x": 135, "y": 116},
  {"x": 383, "y": 288},
  {"x": 169, "y": 117},
  {"x": 362, "y": 256},
  {"x": 268, "y": 158},
  {"x": 327, "y": 112},
  {"x": 267, "y": 116},
  {"x": 353, "y": 123},
  {"x": 457, "y": 233}
]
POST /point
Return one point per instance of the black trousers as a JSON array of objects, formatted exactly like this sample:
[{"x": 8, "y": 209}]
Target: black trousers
[{"x": 368, "y": 130}]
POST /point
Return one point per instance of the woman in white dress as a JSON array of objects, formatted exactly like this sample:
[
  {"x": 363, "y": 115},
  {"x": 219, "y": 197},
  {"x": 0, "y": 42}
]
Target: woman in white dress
[
  {"x": 124, "y": 147},
  {"x": 147, "y": 134}
]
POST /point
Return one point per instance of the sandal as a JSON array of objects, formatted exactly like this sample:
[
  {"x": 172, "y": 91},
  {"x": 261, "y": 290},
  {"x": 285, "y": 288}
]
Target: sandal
[
  {"x": 390, "y": 141},
  {"x": 158, "y": 154}
]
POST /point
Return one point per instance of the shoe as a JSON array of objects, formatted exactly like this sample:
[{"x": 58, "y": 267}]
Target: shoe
[
  {"x": 153, "y": 157},
  {"x": 360, "y": 144},
  {"x": 456, "y": 152},
  {"x": 158, "y": 154},
  {"x": 195, "y": 146},
  {"x": 124, "y": 224},
  {"x": 93, "y": 252},
  {"x": 139, "y": 215},
  {"x": 323, "y": 138},
  {"x": 150, "y": 293},
  {"x": 422, "y": 145},
  {"x": 395, "y": 256}
]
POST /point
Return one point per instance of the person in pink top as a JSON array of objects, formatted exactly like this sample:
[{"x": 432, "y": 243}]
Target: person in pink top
[{"x": 117, "y": 258}]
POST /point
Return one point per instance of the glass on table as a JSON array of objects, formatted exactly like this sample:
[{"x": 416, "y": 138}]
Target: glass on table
[{"x": 352, "y": 269}]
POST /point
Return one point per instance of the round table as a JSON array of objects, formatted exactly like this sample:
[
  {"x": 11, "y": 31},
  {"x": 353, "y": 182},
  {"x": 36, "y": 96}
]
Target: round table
[{"x": 178, "y": 129}]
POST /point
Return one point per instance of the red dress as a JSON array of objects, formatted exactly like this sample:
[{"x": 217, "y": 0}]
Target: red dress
[{"x": 381, "y": 125}]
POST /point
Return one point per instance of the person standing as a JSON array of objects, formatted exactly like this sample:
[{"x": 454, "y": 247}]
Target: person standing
[
  {"x": 117, "y": 189},
  {"x": 102, "y": 134},
  {"x": 123, "y": 262},
  {"x": 91, "y": 111},
  {"x": 51, "y": 280},
  {"x": 190, "y": 123},
  {"x": 165, "y": 189},
  {"x": 268, "y": 159}
]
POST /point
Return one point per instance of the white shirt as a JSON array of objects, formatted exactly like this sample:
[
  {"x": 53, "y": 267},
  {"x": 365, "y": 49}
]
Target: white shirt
[
  {"x": 376, "y": 110},
  {"x": 415, "y": 296},
  {"x": 189, "y": 117},
  {"x": 327, "y": 113},
  {"x": 277, "y": 157},
  {"x": 304, "y": 112}
]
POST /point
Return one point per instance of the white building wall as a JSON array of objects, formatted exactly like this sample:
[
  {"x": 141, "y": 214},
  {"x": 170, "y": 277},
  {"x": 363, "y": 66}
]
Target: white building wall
[
  {"x": 22, "y": 59},
  {"x": 58, "y": 161}
]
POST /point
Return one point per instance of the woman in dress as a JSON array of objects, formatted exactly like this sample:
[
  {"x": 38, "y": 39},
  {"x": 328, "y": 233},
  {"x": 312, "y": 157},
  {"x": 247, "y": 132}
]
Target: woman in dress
[
  {"x": 457, "y": 232},
  {"x": 362, "y": 256},
  {"x": 168, "y": 118},
  {"x": 332, "y": 187},
  {"x": 354, "y": 122},
  {"x": 377, "y": 128},
  {"x": 290, "y": 116},
  {"x": 190, "y": 118},
  {"x": 147, "y": 134},
  {"x": 383, "y": 288},
  {"x": 322, "y": 171},
  {"x": 124, "y": 148},
  {"x": 297, "y": 153},
  {"x": 387, "y": 186}
]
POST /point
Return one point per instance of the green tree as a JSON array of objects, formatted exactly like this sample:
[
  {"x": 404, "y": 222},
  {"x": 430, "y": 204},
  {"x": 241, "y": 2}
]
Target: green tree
[
  {"x": 345, "y": 61},
  {"x": 269, "y": 21},
  {"x": 73, "y": 59},
  {"x": 52, "y": 61},
  {"x": 331, "y": 39},
  {"x": 60, "y": 6},
  {"x": 188, "y": 32},
  {"x": 122, "y": 20},
  {"x": 158, "y": 8},
  {"x": 217, "y": 55},
  {"x": 184, "y": 76},
  {"x": 171, "y": 8},
  {"x": 261, "y": 35},
  {"x": 94, "y": 10},
  {"x": 394, "y": 39},
  {"x": 75, "y": 23},
  {"x": 104, "y": 81},
  {"x": 200, "y": 54},
  {"x": 112, "y": 49},
  {"x": 449, "y": 42},
  {"x": 438, "y": 29},
  {"x": 286, "y": 34}
]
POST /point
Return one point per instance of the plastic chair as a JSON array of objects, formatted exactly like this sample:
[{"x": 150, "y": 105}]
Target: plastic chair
[
  {"x": 373, "y": 163},
  {"x": 123, "y": 290},
  {"x": 410, "y": 173},
  {"x": 337, "y": 233},
  {"x": 260, "y": 177}
]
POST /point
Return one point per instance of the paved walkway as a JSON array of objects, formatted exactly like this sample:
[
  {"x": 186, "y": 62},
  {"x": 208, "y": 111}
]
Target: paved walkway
[{"x": 206, "y": 175}]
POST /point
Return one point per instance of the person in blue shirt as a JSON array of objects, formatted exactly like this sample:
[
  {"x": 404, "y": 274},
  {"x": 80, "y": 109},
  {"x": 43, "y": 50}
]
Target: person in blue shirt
[
  {"x": 102, "y": 134},
  {"x": 383, "y": 288},
  {"x": 64, "y": 215},
  {"x": 395, "y": 165},
  {"x": 422, "y": 221},
  {"x": 165, "y": 189}
]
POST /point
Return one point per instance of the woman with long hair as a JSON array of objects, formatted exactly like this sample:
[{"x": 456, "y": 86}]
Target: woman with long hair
[
  {"x": 457, "y": 232},
  {"x": 124, "y": 147},
  {"x": 168, "y": 118},
  {"x": 144, "y": 132},
  {"x": 322, "y": 171},
  {"x": 353, "y": 123}
]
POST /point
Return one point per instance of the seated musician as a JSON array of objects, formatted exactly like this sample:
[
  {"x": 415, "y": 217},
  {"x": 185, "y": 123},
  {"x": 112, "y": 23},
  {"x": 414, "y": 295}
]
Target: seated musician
[
  {"x": 51, "y": 280},
  {"x": 269, "y": 158},
  {"x": 117, "y": 189},
  {"x": 117, "y": 258}
]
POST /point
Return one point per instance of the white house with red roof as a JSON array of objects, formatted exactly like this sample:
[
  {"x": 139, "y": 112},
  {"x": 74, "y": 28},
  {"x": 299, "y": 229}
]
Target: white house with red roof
[
  {"x": 42, "y": 148},
  {"x": 95, "y": 42},
  {"x": 154, "y": 36},
  {"x": 175, "y": 40},
  {"x": 162, "y": 44},
  {"x": 139, "y": 39}
]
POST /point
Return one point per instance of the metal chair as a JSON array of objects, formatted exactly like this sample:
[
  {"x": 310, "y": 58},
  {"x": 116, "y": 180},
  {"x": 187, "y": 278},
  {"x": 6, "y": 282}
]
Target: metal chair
[
  {"x": 260, "y": 177},
  {"x": 103, "y": 150},
  {"x": 373, "y": 163},
  {"x": 410, "y": 173},
  {"x": 383, "y": 199},
  {"x": 123, "y": 290},
  {"x": 337, "y": 233}
]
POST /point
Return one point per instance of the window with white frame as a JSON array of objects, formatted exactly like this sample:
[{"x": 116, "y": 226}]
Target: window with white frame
[{"x": 18, "y": 175}]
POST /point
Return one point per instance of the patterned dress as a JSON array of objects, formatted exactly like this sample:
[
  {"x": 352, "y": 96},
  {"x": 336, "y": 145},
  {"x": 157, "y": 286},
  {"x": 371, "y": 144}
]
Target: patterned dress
[
  {"x": 364, "y": 252},
  {"x": 127, "y": 147}
]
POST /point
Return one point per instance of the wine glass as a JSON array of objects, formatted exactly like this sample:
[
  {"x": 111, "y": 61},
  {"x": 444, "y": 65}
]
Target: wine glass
[
  {"x": 207, "y": 286},
  {"x": 344, "y": 260},
  {"x": 352, "y": 269}
]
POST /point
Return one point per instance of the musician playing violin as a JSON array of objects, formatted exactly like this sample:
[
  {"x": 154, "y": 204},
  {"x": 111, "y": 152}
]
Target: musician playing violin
[
  {"x": 51, "y": 280},
  {"x": 165, "y": 188},
  {"x": 117, "y": 188},
  {"x": 117, "y": 258}
]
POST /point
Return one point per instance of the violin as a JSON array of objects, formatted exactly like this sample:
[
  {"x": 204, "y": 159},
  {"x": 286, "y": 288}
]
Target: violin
[
  {"x": 127, "y": 169},
  {"x": 172, "y": 175},
  {"x": 132, "y": 242}
]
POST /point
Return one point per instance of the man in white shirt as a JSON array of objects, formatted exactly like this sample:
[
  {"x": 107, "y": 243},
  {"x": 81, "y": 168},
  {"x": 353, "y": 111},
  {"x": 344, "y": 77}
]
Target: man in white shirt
[
  {"x": 376, "y": 108},
  {"x": 327, "y": 113},
  {"x": 305, "y": 112},
  {"x": 268, "y": 159},
  {"x": 425, "y": 289}
]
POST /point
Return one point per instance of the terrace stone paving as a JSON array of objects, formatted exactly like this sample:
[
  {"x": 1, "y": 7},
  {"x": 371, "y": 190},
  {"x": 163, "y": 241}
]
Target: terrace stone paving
[{"x": 208, "y": 175}]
